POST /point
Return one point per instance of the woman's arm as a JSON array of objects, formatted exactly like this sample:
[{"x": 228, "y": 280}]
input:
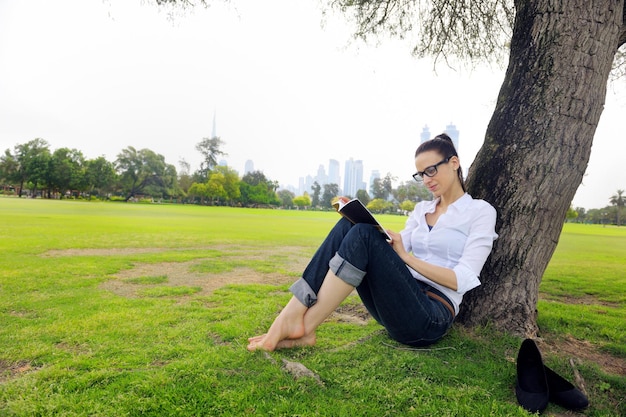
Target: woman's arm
[
  {"x": 463, "y": 276},
  {"x": 438, "y": 274}
]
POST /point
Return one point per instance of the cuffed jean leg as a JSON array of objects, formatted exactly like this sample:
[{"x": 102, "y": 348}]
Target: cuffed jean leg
[
  {"x": 360, "y": 256},
  {"x": 303, "y": 292},
  {"x": 346, "y": 271},
  {"x": 342, "y": 269},
  {"x": 306, "y": 288},
  {"x": 390, "y": 293}
]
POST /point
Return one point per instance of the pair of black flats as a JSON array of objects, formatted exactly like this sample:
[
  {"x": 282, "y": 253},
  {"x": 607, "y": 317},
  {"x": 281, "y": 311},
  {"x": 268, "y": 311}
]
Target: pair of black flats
[{"x": 536, "y": 384}]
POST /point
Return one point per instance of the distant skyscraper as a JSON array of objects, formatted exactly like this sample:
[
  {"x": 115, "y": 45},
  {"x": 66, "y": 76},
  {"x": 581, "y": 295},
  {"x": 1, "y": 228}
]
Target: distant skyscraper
[
  {"x": 249, "y": 167},
  {"x": 214, "y": 131},
  {"x": 308, "y": 184},
  {"x": 453, "y": 132},
  {"x": 425, "y": 134},
  {"x": 353, "y": 177},
  {"x": 333, "y": 172},
  {"x": 301, "y": 188},
  {"x": 373, "y": 176},
  {"x": 321, "y": 176},
  {"x": 360, "y": 184}
]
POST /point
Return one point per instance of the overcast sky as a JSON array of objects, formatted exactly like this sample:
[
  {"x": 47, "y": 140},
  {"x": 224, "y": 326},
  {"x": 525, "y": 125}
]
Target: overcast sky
[{"x": 288, "y": 92}]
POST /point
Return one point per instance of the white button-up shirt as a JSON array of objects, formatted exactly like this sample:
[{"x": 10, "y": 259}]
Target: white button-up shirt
[{"x": 461, "y": 240}]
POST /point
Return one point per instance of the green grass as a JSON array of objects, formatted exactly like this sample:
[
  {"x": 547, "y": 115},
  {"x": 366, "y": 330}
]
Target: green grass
[
  {"x": 583, "y": 290},
  {"x": 147, "y": 280},
  {"x": 97, "y": 319}
]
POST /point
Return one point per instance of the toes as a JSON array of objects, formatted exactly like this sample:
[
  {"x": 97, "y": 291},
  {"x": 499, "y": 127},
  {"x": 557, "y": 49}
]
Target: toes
[{"x": 256, "y": 338}]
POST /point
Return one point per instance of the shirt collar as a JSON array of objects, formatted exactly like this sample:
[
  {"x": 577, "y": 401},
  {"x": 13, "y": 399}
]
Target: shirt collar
[{"x": 460, "y": 204}]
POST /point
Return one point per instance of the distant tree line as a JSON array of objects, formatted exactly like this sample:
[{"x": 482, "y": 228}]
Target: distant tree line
[
  {"x": 610, "y": 214},
  {"x": 32, "y": 169}
]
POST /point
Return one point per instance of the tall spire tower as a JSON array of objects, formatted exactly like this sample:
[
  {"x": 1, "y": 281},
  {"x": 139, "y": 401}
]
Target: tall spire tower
[{"x": 214, "y": 131}]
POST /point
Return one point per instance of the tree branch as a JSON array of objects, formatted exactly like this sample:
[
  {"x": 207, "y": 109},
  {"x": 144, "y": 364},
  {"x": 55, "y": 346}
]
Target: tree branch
[{"x": 469, "y": 30}]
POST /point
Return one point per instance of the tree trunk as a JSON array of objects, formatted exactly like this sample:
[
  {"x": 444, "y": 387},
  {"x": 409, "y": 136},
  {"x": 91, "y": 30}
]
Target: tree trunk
[{"x": 537, "y": 147}]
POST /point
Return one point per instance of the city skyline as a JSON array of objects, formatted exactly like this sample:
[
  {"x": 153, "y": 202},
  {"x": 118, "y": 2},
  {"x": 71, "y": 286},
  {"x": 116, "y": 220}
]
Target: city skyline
[
  {"x": 288, "y": 102},
  {"x": 354, "y": 178}
]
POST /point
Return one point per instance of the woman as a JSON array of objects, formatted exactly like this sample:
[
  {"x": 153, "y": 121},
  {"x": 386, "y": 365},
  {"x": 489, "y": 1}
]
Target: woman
[{"x": 412, "y": 286}]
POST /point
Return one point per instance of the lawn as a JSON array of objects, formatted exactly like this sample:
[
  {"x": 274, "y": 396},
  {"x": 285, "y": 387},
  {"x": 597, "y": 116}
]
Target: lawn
[{"x": 114, "y": 309}]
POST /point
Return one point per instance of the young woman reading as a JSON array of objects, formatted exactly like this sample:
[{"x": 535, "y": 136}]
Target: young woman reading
[{"x": 412, "y": 286}]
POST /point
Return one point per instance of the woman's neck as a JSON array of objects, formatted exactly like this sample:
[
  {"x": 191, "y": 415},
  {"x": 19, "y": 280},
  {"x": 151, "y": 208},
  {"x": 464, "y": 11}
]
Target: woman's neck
[{"x": 450, "y": 197}]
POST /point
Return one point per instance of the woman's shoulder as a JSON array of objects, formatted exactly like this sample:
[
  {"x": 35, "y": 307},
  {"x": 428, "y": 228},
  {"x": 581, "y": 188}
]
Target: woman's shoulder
[{"x": 479, "y": 205}]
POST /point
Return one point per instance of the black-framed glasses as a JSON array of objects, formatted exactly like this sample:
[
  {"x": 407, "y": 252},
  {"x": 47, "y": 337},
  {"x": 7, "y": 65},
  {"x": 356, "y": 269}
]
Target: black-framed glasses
[{"x": 430, "y": 171}]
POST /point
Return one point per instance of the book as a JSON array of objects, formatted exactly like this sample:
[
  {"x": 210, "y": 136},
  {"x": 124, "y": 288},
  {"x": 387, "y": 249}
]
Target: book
[{"x": 355, "y": 211}]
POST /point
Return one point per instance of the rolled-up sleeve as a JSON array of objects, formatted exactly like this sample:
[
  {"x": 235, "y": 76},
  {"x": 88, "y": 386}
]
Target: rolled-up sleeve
[{"x": 477, "y": 248}]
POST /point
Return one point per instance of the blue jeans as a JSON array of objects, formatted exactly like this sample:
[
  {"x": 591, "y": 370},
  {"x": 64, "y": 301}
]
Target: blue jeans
[{"x": 360, "y": 256}]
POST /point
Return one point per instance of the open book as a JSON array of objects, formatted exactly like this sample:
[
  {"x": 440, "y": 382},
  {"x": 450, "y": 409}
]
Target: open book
[{"x": 355, "y": 211}]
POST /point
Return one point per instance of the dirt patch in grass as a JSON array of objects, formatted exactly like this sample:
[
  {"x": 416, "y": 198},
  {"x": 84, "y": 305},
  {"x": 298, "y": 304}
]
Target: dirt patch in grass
[
  {"x": 352, "y": 313},
  {"x": 10, "y": 370},
  {"x": 571, "y": 348},
  {"x": 583, "y": 300},
  {"x": 181, "y": 274},
  {"x": 184, "y": 274},
  {"x": 101, "y": 252}
]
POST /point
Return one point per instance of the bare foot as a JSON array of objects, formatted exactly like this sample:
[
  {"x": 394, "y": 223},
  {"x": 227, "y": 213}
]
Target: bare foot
[
  {"x": 278, "y": 335},
  {"x": 288, "y": 325},
  {"x": 257, "y": 342},
  {"x": 256, "y": 338},
  {"x": 307, "y": 340}
]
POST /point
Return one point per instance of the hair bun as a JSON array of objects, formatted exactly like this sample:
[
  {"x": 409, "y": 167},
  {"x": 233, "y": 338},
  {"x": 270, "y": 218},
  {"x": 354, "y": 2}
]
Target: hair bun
[{"x": 444, "y": 136}]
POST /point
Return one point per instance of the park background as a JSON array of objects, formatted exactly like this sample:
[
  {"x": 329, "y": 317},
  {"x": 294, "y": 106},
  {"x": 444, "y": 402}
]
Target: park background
[
  {"x": 113, "y": 308},
  {"x": 288, "y": 86}
]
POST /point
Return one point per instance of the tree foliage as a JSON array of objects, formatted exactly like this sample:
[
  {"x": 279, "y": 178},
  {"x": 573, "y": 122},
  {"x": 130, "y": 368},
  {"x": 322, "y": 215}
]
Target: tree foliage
[
  {"x": 618, "y": 200},
  {"x": 257, "y": 190},
  {"x": 144, "y": 171},
  {"x": 315, "y": 198},
  {"x": 210, "y": 148},
  {"x": 286, "y": 198},
  {"x": 571, "y": 213},
  {"x": 230, "y": 183},
  {"x": 363, "y": 196},
  {"x": 412, "y": 191},
  {"x": 407, "y": 206},
  {"x": 377, "y": 189},
  {"x": 135, "y": 173},
  {"x": 66, "y": 171},
  {"x": 198, "y": 191},
  {"x": 473, "y": 32},
  {"x": 302, "y": 201},
  {"x": 29, "y": 164},
  {"x": 9, "y": 168},
  {"x": 100, "y": 176},
  {"x": 215, "y": 187},
  {"x": 379, "y": 205},
  {"x": 330, "y": 191}
]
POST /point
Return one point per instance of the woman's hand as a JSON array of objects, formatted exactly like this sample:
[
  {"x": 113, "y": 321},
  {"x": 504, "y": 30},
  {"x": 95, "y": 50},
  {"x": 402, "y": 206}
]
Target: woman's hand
[
  {"x": 396, "y": 243},
  {"x": 438, "y": 274}
]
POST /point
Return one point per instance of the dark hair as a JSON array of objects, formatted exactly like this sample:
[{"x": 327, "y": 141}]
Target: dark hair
[{"x": 443, "y": 145}]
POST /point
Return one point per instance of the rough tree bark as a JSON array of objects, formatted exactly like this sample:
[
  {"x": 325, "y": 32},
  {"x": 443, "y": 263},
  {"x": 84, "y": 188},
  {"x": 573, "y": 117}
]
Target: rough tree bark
[{"x": 537, "y": 147}]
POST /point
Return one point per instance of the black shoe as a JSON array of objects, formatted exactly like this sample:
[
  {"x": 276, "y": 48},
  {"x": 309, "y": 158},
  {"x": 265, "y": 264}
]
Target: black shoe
[
  {"x": 563, "y": 393},
  {"x": 531, "y": 386}
]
